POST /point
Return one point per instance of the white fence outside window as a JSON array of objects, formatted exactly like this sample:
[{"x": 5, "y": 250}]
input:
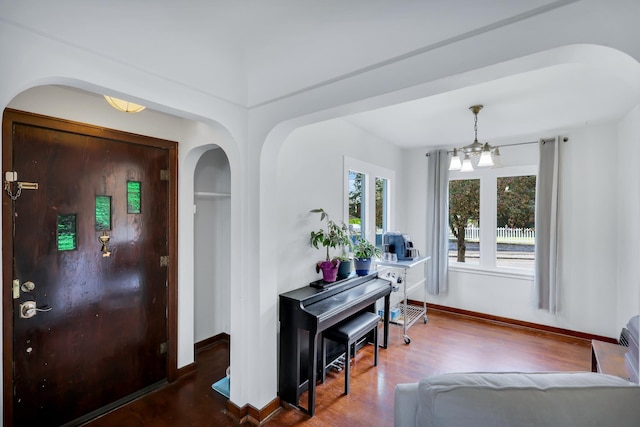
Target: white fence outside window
[{"x": 523, "y": 236}]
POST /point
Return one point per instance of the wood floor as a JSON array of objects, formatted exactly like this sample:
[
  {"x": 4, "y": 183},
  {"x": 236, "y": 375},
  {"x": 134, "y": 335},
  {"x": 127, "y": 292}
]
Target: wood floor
[{"x": 447, "y": 343}]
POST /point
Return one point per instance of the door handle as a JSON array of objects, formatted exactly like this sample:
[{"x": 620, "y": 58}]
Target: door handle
[{"x": 28, "y": 309}]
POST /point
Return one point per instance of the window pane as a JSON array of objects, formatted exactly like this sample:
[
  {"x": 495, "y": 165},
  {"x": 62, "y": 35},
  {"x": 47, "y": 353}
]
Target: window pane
[
  {"x": 103, "y": 213},
  {"x": 515, "y": 226},
  {"x": 67, "y": 235},
  {"x": 133, "y": 197},
  {"x": 381, "y": 209},
  {"x": 356, "y": 206},
  {"x": 464, "y": 221}
]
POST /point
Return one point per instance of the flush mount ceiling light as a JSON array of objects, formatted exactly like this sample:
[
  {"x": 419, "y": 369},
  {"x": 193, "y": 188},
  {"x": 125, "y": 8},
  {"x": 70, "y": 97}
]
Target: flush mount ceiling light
[
  {"x": 476, "y": 153},
  {"x": 124, "y": 106}
]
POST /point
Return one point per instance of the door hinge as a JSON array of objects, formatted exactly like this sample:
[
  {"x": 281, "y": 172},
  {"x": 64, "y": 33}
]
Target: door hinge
[
  {"x": 163, "y": 347},
  {"x": 164, "y": 261},
  {"x": 164, "y": 174}
]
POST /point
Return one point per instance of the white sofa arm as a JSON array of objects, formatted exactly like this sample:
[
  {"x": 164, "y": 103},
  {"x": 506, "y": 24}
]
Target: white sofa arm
[{"x": 405, "y": 405}]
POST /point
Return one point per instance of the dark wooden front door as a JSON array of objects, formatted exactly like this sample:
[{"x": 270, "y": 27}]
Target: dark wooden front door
[{"x": 99, "y": 332}]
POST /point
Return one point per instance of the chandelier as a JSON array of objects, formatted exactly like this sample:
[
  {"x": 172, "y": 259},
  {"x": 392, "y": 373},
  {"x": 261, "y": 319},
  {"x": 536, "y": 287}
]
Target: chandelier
[{"x": 476, "y": 153}]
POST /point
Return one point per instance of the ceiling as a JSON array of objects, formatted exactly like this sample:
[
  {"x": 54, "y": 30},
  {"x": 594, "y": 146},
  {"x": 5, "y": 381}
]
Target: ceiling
[
  {"x": 253, "y": 52},
  {"x": 553, "y": 99}
]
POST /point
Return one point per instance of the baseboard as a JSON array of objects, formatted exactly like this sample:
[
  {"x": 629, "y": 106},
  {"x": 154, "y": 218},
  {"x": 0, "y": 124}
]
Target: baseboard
[
  {"x": 211, "y": 341},
  {"x": 200, "y": 345},
  {"x": 93, "y": 415},
  {"x": 247, "y": 413},
  {"x": 558, "y": 332},
  {"x": 186, "y": 370},
  {"x": 252, "y": 415}
]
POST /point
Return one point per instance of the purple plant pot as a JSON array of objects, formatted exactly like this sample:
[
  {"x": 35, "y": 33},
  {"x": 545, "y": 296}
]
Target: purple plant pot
[{"x": 329, "y": 270}]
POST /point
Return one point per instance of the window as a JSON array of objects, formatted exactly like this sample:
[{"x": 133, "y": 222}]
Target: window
[
  {"x": 67, "y": 232},
  {"x": 515, "y": 225},
  {"x": 492, "y": 218},
  {"x": 133, "y": 197},
  {"x": 464, "y": 220},
  {"x": 103, "y": 213},
  {"x": 382, "y": 209},
  {"x": 357, "y": 193},
  {"x": 369, "y": 199}
]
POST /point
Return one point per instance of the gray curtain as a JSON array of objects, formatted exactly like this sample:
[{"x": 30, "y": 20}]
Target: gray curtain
[
  {"x": 546, "y": 282},
  {"x": 437, "y": 221}
]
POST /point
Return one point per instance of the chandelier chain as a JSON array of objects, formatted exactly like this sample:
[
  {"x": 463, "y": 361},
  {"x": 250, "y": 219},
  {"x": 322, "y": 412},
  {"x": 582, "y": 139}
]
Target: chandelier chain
[{"x": 475, "y": 126}]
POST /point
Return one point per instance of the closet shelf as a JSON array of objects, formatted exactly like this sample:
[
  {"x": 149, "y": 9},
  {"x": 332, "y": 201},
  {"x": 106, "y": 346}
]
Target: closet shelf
[{"x": 209, "y": 195}]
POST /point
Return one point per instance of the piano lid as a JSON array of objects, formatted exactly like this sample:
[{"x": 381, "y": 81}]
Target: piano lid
[
  {"x": 309, "y": 295},
  {"x": 365, "y": 293}
]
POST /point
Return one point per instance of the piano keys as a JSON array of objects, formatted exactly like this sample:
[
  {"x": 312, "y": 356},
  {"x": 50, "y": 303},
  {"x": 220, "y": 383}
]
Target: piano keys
[{"x": 305, "y": 313}]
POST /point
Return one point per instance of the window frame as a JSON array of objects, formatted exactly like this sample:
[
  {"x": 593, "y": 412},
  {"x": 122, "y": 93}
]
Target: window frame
[
  {"x": 370, "y": 172},
  {"x": 488, "y": 214}
]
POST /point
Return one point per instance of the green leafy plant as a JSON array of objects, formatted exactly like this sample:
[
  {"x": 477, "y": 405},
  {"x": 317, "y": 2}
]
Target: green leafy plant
[
  {"x": 333, "y": 236},
  {"x": 364, "y": 249}
]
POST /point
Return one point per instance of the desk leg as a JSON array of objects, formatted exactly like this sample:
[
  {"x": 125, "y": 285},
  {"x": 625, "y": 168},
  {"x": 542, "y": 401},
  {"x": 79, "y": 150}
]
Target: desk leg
[
  {"x": 387, "y": 307},
  {"x": 313, "y": 364}
]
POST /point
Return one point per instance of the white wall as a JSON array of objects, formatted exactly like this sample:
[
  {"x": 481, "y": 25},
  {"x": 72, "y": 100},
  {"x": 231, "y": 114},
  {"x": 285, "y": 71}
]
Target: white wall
[
  {"x": 311, "y": 175},
  {"x": 628, "y": 209},
  {"x": 628, "y": 212},
  {"x": 212, "y": 245},
  {"x": 589, "y": 260}
]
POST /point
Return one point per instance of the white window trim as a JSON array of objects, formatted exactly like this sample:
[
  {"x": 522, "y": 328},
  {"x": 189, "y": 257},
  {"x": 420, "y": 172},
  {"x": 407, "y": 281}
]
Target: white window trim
[
  {"x": 488, "y": 212},
  {"x": 371, "y": 172}
]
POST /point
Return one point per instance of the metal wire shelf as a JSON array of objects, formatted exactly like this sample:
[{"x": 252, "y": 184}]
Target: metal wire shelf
[{"x": 414, "y": 312}]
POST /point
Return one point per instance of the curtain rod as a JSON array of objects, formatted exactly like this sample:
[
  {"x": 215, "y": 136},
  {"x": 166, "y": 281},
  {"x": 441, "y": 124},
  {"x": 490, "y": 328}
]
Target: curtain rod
[{"x": 544, "y": 140}]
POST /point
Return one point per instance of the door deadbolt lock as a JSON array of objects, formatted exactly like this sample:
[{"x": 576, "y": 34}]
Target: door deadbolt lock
[
  {"x": 27, "y": 286},
  {"x": 28, "y": 309}
]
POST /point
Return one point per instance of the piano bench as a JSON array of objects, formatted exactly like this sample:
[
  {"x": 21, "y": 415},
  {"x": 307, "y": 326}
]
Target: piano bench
[{"x": 348, "y": 332}]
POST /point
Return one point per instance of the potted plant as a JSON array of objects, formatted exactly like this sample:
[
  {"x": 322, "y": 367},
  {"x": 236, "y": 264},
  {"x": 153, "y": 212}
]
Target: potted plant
[
  {"x": 363, "y": 251},
  {"x": 344, "y": 270},
  {"x": 333, "y": 236}
]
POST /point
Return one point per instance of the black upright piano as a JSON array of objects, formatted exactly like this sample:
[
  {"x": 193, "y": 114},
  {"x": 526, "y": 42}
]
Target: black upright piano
[{"x": 305, "y": 313}]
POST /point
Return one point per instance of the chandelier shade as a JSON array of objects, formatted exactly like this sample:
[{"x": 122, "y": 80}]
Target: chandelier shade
[
  {"x": 466, "y": 164},
  {"x": 124, "y": 106},
  {"x": 456, "y": 163},
  {"x": 482, "y": 155}
]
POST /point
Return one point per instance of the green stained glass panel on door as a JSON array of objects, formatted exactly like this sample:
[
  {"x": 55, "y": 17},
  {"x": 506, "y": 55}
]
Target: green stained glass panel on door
[
  {"x": 103, "y": 213},
  {"x": 67, "y": 233},
  {"x": 133, "y": 197}
]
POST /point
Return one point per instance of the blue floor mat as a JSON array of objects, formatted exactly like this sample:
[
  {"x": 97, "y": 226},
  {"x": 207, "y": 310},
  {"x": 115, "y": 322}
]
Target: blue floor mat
[{"x": 222, "y": 387}]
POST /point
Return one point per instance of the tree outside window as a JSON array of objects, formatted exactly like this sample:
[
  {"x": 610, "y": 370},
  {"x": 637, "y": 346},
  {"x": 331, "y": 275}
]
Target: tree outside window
[
  {"x": 516, "y": 207},
  {"x": 512, "y": 236},
  {"x": 356, "y": 197},
  {"x": 368, "y": 199},
  {"x": 382, "y": 207},
  {"x": 464, "y": 210}
]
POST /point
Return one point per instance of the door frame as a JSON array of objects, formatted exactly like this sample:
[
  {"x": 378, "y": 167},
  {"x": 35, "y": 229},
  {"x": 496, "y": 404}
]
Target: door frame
[{"x": 10, "y": 117}]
